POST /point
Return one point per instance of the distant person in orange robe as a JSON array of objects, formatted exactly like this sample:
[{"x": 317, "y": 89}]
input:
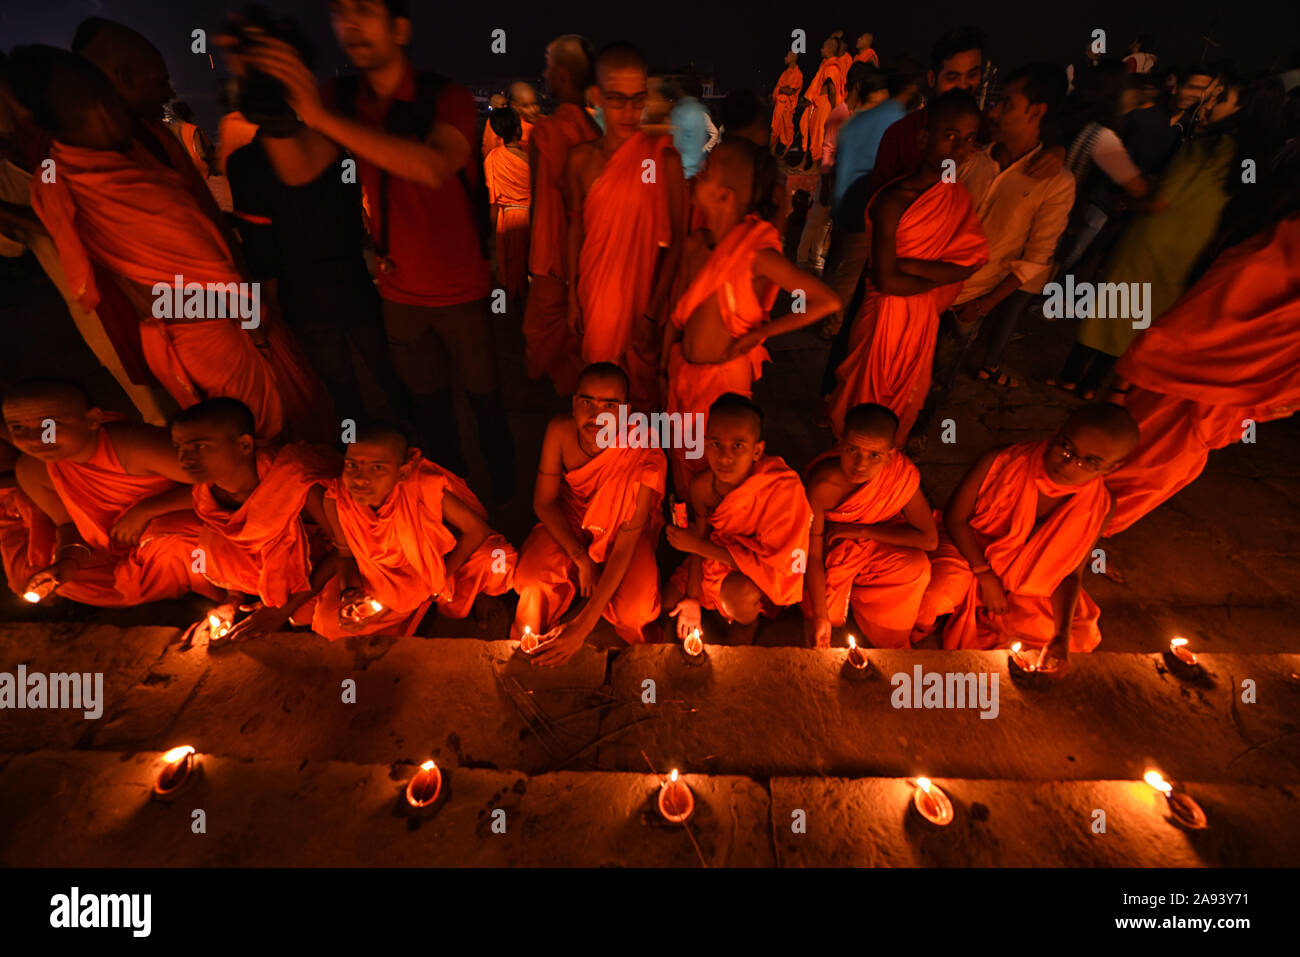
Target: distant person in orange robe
[
  {"x": 523, "y": 100},
  {"x": 866, "y": 53},
  {"x": 925, "y": 241},
  {"x": 872, "y": 526},
  {"x": 627, "y": 207},
  {"x": 600, "y": 520},
  {"x": 846, "y": 61},
  {"x": 408, "y": 534},
  {"x": 713, "y": 343},
  {"x": 822, "y": 94},
  {"x": 747, "y": 545},
  {"x": 1225, "y": 357},
  {"x": 497, "y": 101},
  {"x": 113, "y": 204},
  {"x": 785, "y": 97},
  {"x": 506, "y": 172},
  {"x": 1018, "y": 533},
  {"x": 551, "y": 347},
  {"x": 124, "y": 528},
  {"x": 254, "y": 543}
]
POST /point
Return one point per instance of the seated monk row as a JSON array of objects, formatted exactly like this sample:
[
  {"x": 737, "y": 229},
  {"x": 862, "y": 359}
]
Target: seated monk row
[{"x": 369, "y": 542}]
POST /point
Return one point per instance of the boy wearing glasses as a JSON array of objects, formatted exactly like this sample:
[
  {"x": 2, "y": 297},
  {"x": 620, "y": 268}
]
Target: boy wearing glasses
[
  {"x": 600, "y": 520},
  {"x": 1017, "y": 534}
]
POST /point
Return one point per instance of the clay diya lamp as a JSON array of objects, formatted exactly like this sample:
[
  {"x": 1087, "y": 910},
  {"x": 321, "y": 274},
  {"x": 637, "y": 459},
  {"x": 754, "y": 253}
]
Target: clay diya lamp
[
  {"x": 676, "y": 801},
  {"x": 179, "y": 770},
  {"x": 1180, "y": 659},
  {"x": 423, "y": 789},
  {"x": 931, "y": 803},
  {"x": 1182, "y": 807},
  {"x": 693, "y": 648},
  {"x": 856, "y": 663},
  {"x": 528, "y": 642}
]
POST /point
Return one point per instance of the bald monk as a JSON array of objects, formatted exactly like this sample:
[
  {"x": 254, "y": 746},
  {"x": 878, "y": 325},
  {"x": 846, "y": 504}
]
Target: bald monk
[
  {"x": 747, "y": 547},
  {"x": 823, "y": 93},
  {"x": 1017, "y": 534},
  {"x": 124, "y": 529},
  {"x": 600, "y": 520},
  {"x": 497, "y": 101},
  {"x": 785, "y": 97},
  {"x": 714, "y": 341},
  {"x": 872, "y": 526},
  {"x": 1224, "y": 356},
  {"x": 114, "y": 205},
  {"x": 251, "y": 501},
  {"x": 409, "y": 534},
  {"x": 626, "y": 204},
  {"x": 506, "y": 172},
  {"x": 551, "y": 347},
  {"x": 523, "y": 100},
  {"x": 865, "y": 50},
  {"x": 925, "y": 241}
]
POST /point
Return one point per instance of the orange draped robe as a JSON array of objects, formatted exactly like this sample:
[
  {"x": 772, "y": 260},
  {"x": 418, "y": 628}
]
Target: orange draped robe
[
  {"x": 728, "y": 275},
  {"x": 261, "y": 548},
  {"x": 884, "y": 583},
  {"x": 812, "y": 124},
  {"x": 764, "y": 524},
  {"x": 399, "y": 551},
  {"x": 1030, "y": 562},
  {"x": 892, "y": 345},
  {"x": 598, "y": 499},
  {"x": 842, "y": 81},
  {"x": 626, "y": 223},
  {"x": 136, "y": 217},
  {"x": 783, "y": 105},
  {"x": 509, "y": 192},
  {"x": 26, "y": 538},
  {"x": 550, "y": 347},
  {"x": 1228, "y": 351},
  {"x": 867, "y": 56}
]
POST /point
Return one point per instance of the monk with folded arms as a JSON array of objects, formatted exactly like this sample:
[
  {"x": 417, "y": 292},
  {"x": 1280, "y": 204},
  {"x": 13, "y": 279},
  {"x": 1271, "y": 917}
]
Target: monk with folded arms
[
  {"x": 1019, "y": 531},
  {"x": 627, "y": 202},
  {"x": 250, "y": 500},
  {"x": 598, "y": 503},
  {"x": 748, "y": 543},
  {"x": 714, "y": 341},
  {"x": 409, "y": 533},
  {"x": 124, "y": 526},
  {"x": 872, "y": 527}
]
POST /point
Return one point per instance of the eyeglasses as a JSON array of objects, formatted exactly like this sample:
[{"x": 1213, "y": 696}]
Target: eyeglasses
[
  {"x": 617, "y": 101},
  {"x": 1086, "y": 463}
]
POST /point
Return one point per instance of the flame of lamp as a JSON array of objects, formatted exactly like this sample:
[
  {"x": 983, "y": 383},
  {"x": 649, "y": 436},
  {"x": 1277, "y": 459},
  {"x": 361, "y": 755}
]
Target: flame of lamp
[
  {"x": 1178, "y": 647},
  {"x": 528, "y": 643},
  {"x": 423, "y": 789},
  {"x": 931, "y": 803},
  {"x": 1157, "y": 781},
  {"x": 857, "y": 657},
  {"x": 32, "y": 596},
  {"x": 1023, "y": 663},
  {"x": 178, "y": 763},
  {"x": 676, "y": 800},
  {"x": 375, "y": 606},
  {"x": 694, "y": 644}
]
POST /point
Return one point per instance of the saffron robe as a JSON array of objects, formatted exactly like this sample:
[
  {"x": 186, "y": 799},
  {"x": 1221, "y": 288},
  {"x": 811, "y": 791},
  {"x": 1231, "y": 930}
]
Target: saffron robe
[
  {"x": 399, "y": 549},
  {"x": 598, "y": 499},
  {"x": 1228, "y": 351},
  {"x": 728, "y": 275},
  {"x": 783, "y": 105},
  {"x": 883, "y": 583},
  {"x": 1030, "y": 562},
  {"x": 812, "y": 124},
  {"x": 891, "y": 349},
  {"x": 509, "y": 192}
]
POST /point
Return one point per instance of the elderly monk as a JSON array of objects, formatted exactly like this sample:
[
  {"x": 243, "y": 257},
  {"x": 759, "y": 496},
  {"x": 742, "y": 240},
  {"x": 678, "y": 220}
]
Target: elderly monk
[
  {"x": 124, "y": 529},
  {"x": 409, "y": 534},
  {"x": 251, "y": 500},
  {"x": 551, "y": 348},
  {"x": 926, "y": 241},
  {"x": 598, "y": 503},
  {"x": 747, "y": 547},
  {"x": 872, "y": 527},
  {"x": 506, "y": 172},
  {"x": 627, "y": 202},
  {"x": 1017, "y": 535},
  {"x": 785, "y": 97},
  {"x": 714, "y": 341}
]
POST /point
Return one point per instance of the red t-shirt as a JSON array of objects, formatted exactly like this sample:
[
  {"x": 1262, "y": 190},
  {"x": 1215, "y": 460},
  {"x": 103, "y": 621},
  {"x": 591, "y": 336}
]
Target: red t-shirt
[{"x": 432, "y": 240}]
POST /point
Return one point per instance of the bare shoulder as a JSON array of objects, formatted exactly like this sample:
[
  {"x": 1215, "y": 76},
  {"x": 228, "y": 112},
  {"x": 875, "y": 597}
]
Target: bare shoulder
[
  {"x": 825, "y": 486},
  {"x": 561, "y": 430}
]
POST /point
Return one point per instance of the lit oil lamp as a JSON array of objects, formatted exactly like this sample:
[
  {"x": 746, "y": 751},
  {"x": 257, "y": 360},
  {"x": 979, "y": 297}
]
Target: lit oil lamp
[
  {"x": 856, "y": 663},
  {"x": 1178, "y": 648},
  {"x": 676, "y": 801},
  {"x": 529, "y": 642},
  {"x": 375, "y": 606},
  {"x": 1021, "y": 661},
  {"x": 178, "y": 770},
  {"x": 423, "y": 789},
  {"x": 931, "y": 803},
  {"x": 32, "y": 596},
  {"x": 218, "y": 628},
  {"x": 693, "y": 647},
  {"x": 1181, "y": 805}
]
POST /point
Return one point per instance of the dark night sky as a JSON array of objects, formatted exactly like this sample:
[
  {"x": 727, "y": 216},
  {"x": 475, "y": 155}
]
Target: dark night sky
[{"x": 742, "y": 42}]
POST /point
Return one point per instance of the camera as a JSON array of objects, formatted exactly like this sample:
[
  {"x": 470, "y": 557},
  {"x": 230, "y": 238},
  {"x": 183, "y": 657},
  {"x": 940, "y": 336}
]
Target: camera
[{"x": 262, "y": 98}]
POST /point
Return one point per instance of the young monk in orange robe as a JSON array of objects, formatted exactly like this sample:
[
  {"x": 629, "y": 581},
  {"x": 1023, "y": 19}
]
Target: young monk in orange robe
[
  {"x": 825, "y": 90},
  {"x": 872, "y": 527},
  {"x": 408, "y": 533},
  {"x": 748, "y": 544},
  {"x": 627, "y": 201},
  {"x": 506, "y": 171},
  {"x": 1227, "y": 352},
  {"x": 124, "y": 530},
  {"x": 925, "y": 241},
  {"x": 551, "y": 348},
  {"x": 497, "y": 101},
  {"x": 714, "y": 342},
  {"x": 114, "y": 204},
  {"x": 1017, "y": 535},
  {"x": 785, "y": 97},
  {"x": 600, "y": 520},
  {"x": 250, "y": 501}
]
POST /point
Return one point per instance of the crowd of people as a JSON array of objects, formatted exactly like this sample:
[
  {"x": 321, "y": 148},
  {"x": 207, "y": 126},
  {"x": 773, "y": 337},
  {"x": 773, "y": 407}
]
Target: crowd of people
[{"x": 646, "y": 247}]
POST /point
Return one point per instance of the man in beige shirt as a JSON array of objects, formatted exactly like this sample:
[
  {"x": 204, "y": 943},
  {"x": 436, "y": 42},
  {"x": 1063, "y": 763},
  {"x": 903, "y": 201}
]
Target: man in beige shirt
[{"x": 1022, "y": 216}]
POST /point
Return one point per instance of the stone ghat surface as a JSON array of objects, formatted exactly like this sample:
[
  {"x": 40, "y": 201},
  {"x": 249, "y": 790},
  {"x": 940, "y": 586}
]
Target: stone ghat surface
[
  {"x": 756, "y": 712},
  {"x": 94, "y": 809}
]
